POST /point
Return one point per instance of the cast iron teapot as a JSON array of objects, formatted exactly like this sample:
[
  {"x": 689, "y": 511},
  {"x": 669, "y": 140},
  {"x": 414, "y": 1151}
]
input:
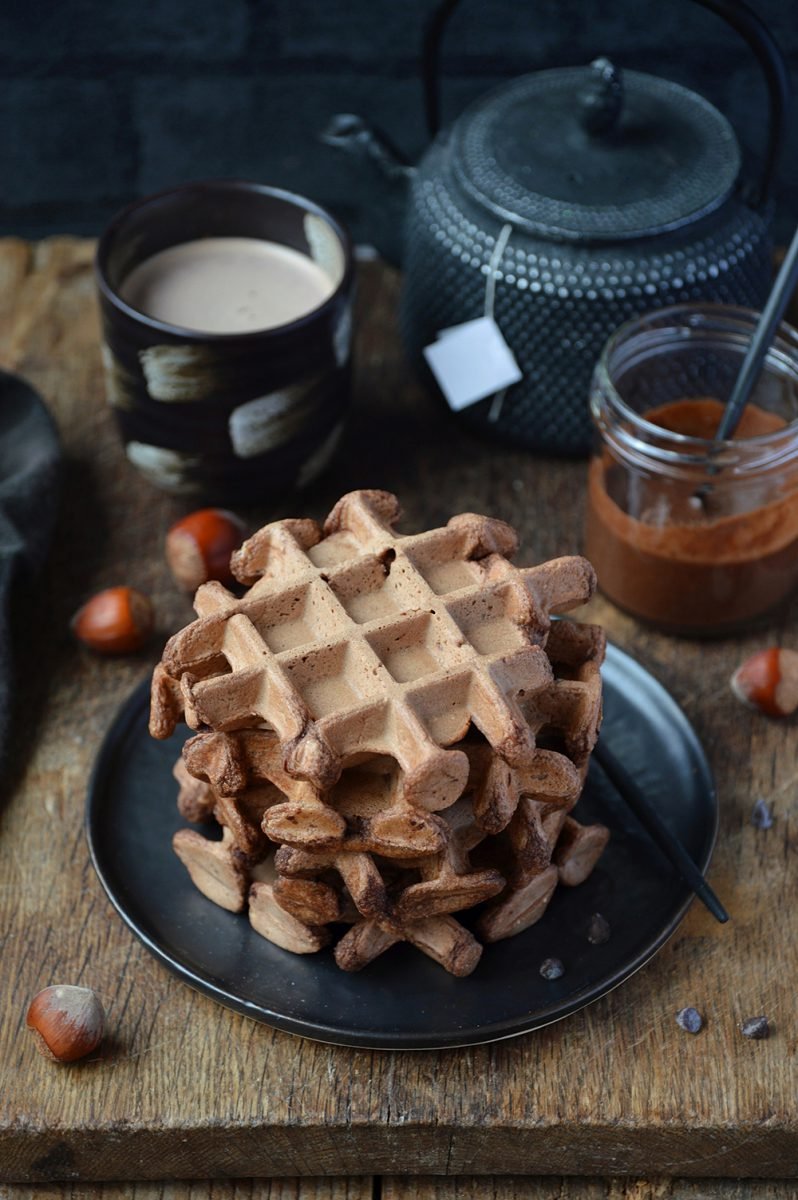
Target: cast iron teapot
[{"x": 566, "y": 202}]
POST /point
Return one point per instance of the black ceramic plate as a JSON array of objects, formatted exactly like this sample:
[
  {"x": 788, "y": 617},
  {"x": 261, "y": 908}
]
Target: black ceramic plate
[{"x": 404, "y": 1000}]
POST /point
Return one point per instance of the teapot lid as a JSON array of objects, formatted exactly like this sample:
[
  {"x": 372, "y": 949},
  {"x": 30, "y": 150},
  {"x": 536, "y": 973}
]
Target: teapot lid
[{"x": 576, "y": 153}]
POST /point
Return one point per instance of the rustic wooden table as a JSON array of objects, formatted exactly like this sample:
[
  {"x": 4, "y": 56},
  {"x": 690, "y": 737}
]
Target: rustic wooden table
[{"x": 185, "y": 1090}]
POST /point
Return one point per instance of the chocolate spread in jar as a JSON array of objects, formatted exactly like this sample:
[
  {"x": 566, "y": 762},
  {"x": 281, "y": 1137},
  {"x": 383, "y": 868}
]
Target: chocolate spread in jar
[{"x": 687, "y": 566}]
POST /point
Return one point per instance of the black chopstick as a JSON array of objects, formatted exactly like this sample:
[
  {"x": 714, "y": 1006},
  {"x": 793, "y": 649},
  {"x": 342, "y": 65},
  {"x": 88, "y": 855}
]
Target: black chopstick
[{"x": 648, "y": 816}]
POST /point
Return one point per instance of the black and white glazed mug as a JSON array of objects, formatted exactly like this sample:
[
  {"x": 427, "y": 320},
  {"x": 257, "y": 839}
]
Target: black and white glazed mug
[{"x": 235, "y": 416}]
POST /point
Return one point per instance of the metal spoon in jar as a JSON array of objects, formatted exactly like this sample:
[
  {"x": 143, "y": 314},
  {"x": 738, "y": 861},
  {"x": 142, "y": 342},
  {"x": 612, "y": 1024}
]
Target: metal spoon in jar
[{"x": 783, "y": 287}]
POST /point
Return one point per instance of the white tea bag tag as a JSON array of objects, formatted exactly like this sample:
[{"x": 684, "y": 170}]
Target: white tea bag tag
[{"x": 471, "y": 361}]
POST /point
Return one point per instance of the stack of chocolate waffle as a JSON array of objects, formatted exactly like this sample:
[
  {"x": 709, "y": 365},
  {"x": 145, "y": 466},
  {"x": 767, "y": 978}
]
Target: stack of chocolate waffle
[{"x": 391, "y": 730}]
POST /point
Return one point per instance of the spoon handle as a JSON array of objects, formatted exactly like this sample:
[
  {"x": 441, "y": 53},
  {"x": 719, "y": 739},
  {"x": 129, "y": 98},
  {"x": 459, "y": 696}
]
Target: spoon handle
[
  {"x": 782, "y": 289},
  {"x": 651, "y": 821}
]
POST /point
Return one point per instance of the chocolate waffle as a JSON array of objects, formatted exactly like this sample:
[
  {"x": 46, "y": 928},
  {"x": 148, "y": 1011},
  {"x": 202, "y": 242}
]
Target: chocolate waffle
[{"x": 356, "y": 641}]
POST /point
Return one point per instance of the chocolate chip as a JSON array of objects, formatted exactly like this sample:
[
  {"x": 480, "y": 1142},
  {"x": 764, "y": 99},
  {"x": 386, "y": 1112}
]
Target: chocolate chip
[
  {"x": 599, "y": 930},
  {"x": 761, "y": 815},
  {"x": 689, "y": 1019},
  {"x": 551, "y": 968},
  {"x": 755, "y": 1027}
]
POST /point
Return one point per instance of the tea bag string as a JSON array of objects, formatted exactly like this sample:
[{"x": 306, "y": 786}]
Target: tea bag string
[{"x": 490, "y": 298}]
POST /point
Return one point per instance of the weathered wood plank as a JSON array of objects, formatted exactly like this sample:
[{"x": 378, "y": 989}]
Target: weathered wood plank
[
  {"x": 564, "y": 1188},
  {"x": 185, "y": 1089},
  {"x": 243, "y": 1189},
  {"x": 416, "y": 1188}
]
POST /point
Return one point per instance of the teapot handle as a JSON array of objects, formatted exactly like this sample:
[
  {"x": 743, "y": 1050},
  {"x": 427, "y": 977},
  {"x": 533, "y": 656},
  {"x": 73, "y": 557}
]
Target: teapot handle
[{"x": 735, "y": 12}]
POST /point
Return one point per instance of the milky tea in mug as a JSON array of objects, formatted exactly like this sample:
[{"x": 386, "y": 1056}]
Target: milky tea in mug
[{"x": 227, "y": 323}]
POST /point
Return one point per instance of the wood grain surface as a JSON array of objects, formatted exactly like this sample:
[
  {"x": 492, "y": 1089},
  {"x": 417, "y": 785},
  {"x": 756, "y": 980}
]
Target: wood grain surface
[
  {"x": 520, "y": 1188},
  {"x": 358, "y": 1188},
  {"x": 184, "y": 1089},
  {"x": 412, "y": 1187}
]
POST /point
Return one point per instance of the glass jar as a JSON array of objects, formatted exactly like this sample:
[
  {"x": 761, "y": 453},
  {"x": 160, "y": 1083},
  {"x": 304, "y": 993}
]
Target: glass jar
[{"x": 693, "y": 536}]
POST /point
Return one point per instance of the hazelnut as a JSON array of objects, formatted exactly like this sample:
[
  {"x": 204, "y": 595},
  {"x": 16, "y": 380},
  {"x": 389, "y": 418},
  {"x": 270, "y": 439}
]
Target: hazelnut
[
  {"x": 768, "y": 682},
  {"x": 67, "y": 1021},
  {"x": 199, "y": 546},
  {"x": 116, "y": 621}
]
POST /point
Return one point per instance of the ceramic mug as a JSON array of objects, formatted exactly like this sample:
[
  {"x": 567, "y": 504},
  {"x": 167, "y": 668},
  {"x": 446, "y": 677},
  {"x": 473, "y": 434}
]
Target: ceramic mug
[{"x": 234, "y": 416}]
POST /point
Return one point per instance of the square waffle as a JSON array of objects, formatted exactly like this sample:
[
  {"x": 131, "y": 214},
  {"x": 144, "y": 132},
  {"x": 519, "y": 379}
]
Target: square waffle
[{"x": 353, "y": 640}]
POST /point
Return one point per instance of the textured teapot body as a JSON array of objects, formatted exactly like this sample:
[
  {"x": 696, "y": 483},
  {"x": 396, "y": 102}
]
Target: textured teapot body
[{"x": 557, "y": 300}]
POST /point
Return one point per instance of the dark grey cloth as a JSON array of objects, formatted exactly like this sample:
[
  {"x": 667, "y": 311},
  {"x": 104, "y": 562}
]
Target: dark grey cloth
[{"x": 30, "y": 470}]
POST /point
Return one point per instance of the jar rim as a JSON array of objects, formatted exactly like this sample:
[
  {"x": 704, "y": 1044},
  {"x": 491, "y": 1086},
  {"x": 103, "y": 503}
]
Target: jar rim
[{"x": 688, "y": 448}]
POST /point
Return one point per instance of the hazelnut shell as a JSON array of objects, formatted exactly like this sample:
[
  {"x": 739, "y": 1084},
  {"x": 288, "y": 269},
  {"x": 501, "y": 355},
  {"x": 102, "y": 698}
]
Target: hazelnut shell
[
  {"x": 67, "y": 1021},
  {"x": 768, "y": 682},
  {"x": 199, "y": 547},
  {"x": 118, "y": 620}
]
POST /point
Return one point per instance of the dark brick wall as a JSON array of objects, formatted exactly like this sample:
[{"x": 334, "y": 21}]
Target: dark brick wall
[{"x": 105, "y": 100}]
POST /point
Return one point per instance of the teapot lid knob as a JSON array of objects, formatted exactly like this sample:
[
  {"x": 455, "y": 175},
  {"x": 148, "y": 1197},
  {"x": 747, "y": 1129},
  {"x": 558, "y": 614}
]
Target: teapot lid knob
[{"x": 601, "y": 100}]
